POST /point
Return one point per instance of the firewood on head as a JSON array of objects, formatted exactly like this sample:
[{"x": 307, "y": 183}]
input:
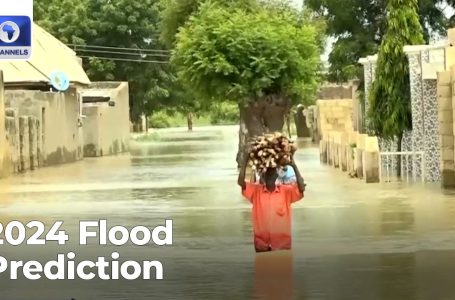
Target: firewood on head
[{"x": 271, "y": 151}]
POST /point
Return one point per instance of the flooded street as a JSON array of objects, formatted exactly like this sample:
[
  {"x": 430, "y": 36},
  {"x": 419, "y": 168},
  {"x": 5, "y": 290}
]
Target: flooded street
[{"x": 351, "y": 240}]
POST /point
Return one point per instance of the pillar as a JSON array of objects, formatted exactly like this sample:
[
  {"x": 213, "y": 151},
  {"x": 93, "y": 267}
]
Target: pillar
[
  {"x": 33, "y": 146},
  {"x": 370, "y": 160},
  {"x": 359, "y": 154},
  {"x": 343, "y": 151},
  {"x": 24, "y": 144},
  {"x": 430, "y": 126},
  {"x": 323, "y": 151},
  {"x": 336, "y": 149},
  {"x": 368, "y": 80},
  {"x": 446, "y": 130},
  {"x": 415, "y": 73}
]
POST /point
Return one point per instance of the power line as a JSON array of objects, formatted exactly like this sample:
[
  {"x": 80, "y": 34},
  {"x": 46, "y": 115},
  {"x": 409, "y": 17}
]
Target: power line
[
  {"x": 116, "y": 48},
  {"x": 124, "y": 59},
  {"x": 122, "y": 53}
]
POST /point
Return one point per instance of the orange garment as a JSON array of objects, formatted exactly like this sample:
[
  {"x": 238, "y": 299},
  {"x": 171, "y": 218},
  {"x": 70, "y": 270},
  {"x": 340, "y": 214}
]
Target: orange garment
[{"x": 272, "y": 214}]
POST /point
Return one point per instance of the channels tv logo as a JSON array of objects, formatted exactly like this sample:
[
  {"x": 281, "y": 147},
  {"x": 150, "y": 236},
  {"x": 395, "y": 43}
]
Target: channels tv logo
[{"x": 15, "y": 37}]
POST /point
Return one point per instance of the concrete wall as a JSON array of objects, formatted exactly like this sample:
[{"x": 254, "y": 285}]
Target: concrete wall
[
  {"x": 5, "y": 165},
  {"x": 12, "y": 138},
  {"x": 336, "y": 92},
  {"x": 352, "y": 152},
  {"x": 343, "y": 147},
  {"x": 337, "y": 108},
  {"x": 56, "y": 116},
  {"x": 334, "y": 115},
  {"x": 106, "y": 128}
]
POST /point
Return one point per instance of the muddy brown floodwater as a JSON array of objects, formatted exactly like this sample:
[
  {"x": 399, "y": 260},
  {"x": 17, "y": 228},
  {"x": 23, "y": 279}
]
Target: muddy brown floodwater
[{"x": 351, "y": 240}]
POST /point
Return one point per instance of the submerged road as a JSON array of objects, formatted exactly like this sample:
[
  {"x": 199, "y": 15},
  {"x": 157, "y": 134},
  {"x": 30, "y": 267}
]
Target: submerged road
[{"x": 351, "y": 240}]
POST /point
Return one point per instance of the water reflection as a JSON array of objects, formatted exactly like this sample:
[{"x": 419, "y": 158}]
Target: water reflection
[
  {"x": 274, "y": 276},
  {"x": 396, "y": 217},
  {"x": 351, "y": 240},
  {"x": 398, "y": 276}
]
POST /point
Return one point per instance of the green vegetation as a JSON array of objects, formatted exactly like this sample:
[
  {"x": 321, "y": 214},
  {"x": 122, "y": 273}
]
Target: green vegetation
[
  {"x": 359, "y": 28},
  {"x": 175, "y": 13},
  {"x": 118, "y": 24},
  {"x": 224, "y": 114},
  {"x": 258, "y": 49},
  {"x": 390, "y": 104},
  {"x": 233, "y": 54},
  {"x": 163, "y": 119},
  {"x": 220, "y": 114},
  {"x": 246, "y": 61},
  {"x": 263, "y": 56},
  {"x": 160, "y": 120}
]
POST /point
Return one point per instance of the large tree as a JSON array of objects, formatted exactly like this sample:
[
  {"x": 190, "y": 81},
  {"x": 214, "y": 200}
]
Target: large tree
[
  {"x": 358, "y": 28},
  {"x": 390, "y": 105},
  {"x": 117, "y": 24},
  {"x": 264, "y": 59}
]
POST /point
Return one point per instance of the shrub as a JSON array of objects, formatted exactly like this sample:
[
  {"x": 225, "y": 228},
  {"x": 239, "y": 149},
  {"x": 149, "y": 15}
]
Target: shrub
[
  {"x": 224, "y": 113},
  {"x": 159, "y": 120}
]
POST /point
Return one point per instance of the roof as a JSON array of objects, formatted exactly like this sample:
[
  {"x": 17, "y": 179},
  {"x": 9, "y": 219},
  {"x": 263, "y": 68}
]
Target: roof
[
  {"x": 102, "y": 91},
  {"x": 48, "y": 55}
]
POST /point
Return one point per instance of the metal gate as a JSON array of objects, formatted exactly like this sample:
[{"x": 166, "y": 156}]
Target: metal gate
[{"x": 409, "y": 164}]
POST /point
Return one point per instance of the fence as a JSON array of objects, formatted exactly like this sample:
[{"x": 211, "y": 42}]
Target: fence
[{"x": 410, "y": 161}]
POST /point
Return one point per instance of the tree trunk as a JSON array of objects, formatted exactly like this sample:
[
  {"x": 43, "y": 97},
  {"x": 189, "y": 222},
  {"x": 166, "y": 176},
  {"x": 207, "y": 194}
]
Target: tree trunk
[
  {"x": 146, "y": 124},
  {"x": 400, "y": 138},
  {"x": 243, "y": 133},
  {"x": 190, "y": 121},
  {"x": 264, "y": 115},
  {"x": 288, "y": 123}
]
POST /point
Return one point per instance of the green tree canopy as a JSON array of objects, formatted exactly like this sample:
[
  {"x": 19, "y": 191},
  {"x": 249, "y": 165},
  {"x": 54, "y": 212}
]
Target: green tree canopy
[
  {"x": 390, "y": 105},
  {"x": 358, "y": 27},
  {"x": 230, "y": 53},
  {"x": 175, "y": 13}
]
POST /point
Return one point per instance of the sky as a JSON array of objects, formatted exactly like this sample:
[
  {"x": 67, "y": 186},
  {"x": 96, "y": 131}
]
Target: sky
[
  {"x": 17, "y": 7},
  {"x": 449, "y": 11}
]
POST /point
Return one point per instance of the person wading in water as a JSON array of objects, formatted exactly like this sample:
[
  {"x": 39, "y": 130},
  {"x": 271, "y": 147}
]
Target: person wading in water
[{"x": 271, "y": 207}]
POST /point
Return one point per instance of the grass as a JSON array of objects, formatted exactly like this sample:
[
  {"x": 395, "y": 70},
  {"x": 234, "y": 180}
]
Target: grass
[
  {"x": 179, "y": 120},
  {"x": 163, "y": 120}
]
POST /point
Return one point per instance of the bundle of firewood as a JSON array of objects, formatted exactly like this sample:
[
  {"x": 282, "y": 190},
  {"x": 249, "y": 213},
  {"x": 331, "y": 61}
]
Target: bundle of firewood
[{"x": 271, "y": 151}]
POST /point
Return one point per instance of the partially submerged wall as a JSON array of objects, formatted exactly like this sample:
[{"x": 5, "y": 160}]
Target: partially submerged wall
[
  {"x": 107, "y": 128},
  {"x": 56, "y": 137},
  {"x": 352, "y": 152},
  {"x": 5, "y": 166},
  {"x": 341, "y": 146},
  {"x": 337, "y": 108}
]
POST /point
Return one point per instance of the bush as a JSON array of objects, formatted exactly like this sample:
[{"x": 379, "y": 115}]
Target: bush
[
  {"x": 150, "y": 137},
  {"x": 224, "y": 113},
  {"x": 159, "y": 120}
]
